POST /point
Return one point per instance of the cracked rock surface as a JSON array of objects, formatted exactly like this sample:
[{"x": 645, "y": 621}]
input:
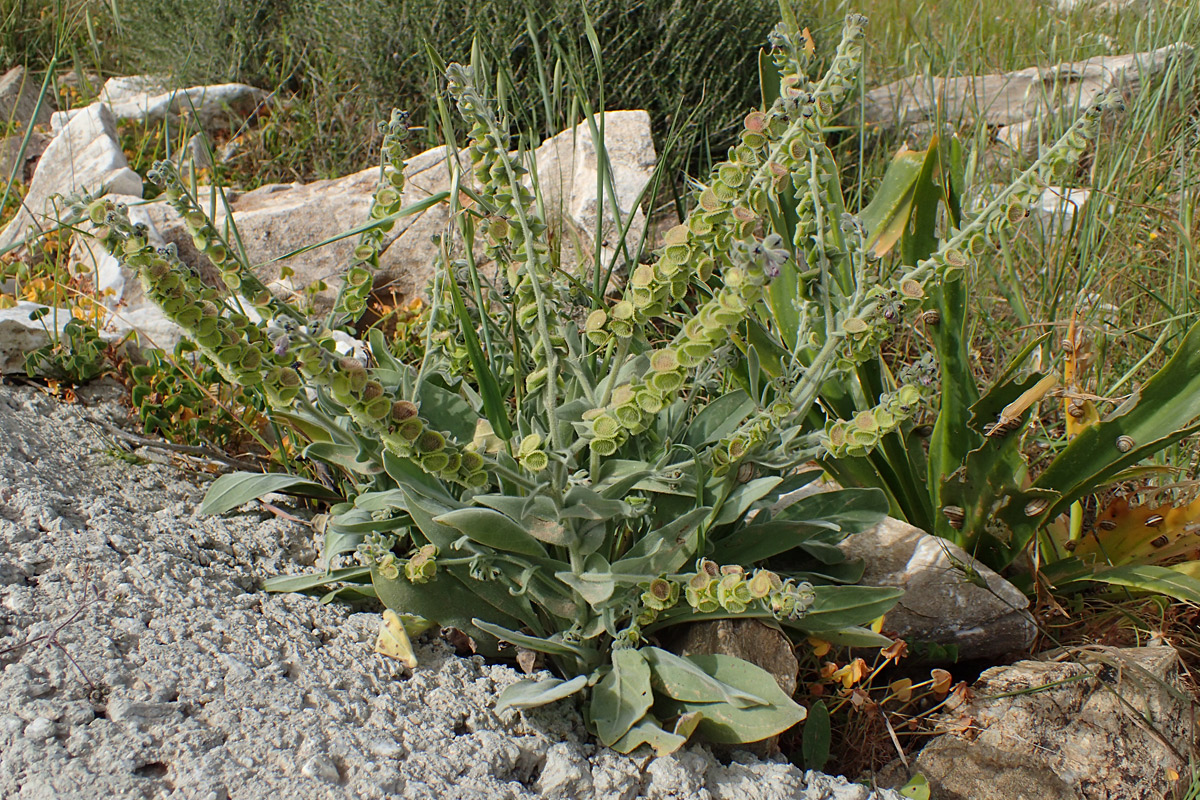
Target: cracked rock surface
[{"x": 138, "y": 659}]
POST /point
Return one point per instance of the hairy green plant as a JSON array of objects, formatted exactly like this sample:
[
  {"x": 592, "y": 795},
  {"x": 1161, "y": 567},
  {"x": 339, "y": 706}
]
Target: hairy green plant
[
  {"x": 77, "y": 354},
  {"x": 186, "y": 400},
  {"x": 570, "y": 472}
]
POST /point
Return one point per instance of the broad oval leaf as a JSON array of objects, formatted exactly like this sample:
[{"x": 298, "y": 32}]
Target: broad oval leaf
[
  {"x": 851, "y": 510},
  {"x": 727, "y": 724},
  {"x": 814, "y": 744},
  {"x": 719, "y": 418},
  {"x": 650, "y": 731},
  {"x": 622, "y": 697},
  {"x": 838, "y": 607},
  {"x": 681, "y": 679},
  {"x": 230, "y": 491},
  {"x": 446, "y": 411},
  {"x": 745, "y": 495},
  {"x": 595, "y": 584},
  {"x": 349, "y": 457},
  {"x": 491, "y": 528},
  {"x": 447, "y": 600},
  {"x": 531, "y": 694}
]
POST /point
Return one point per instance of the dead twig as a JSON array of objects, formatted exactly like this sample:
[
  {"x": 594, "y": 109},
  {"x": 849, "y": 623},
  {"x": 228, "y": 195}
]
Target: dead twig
[{"x": 186, "y": 449}]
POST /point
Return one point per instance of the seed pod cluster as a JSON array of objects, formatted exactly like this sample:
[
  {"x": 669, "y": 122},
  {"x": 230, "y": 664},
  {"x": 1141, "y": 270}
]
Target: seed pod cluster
[
  {"x": 245, "y": 355},
  {"x": 516, "y": 233},
  {"x": 728, "y": 587},
  {"x": 387, "y": 200},
  {"x": 860, "y": 435},
  {"x": 235, "y": 274}
]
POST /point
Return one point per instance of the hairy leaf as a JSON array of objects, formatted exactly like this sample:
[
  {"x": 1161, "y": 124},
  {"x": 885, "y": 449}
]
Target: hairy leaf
[
  {"x": 726, "y": 723},
  {"x": 680, "y": 678},
  {"x": 237, "y": 488},
  {"x": 531, "y": 694},
  {"x": 622, "y": 697}
]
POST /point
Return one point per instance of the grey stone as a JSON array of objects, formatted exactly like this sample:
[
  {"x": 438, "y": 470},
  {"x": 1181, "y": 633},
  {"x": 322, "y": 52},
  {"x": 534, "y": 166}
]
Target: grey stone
[
  {"x": 153, "y": 625},
  {"x": 84, "y": 156},
  {"x": 1015, "y": 98},
  {"x": 568, "y": 168},
  {"x": 19, "y": 163},
  {"x": 147, "y": 101},
  {"x": 19, "y": 101},
  {"x": 1101, "y": 724},
  {"x": 565, "y": 773},
  {"x": 941, "y": 604},
  {"x": 321, "y": 768},
  {"x": 40, "y": 729},
  {"x": 19, "y": 335}
]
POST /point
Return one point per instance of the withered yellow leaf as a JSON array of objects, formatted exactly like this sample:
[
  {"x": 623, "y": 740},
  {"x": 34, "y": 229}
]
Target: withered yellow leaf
[{"x": 393, "y": 640}]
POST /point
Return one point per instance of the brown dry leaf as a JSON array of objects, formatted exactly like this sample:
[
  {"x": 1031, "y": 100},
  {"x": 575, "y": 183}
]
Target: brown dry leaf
[
  {"x": 528, "y": 660},
  {"x": 461, "y": 642},
  {"x": 860, "y": 699},
  {"x": 959, "y": 697},
  {"x": 964, "y": 725},
  {"x": 941, "y": 681},
  {"x": 895, "y": 651},
  {"x": 902, "y": 689}
]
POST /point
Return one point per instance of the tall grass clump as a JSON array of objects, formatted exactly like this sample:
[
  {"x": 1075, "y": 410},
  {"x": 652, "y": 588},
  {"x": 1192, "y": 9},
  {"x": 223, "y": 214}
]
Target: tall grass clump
[{"x": 349, "y": 62}]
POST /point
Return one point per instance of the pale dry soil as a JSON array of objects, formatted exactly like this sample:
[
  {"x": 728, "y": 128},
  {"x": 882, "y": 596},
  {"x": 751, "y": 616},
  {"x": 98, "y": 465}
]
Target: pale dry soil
[{"x": 139, "y": 659}]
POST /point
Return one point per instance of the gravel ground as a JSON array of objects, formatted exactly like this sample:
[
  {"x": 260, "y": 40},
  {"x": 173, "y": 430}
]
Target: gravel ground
[{"x": 139, "y": 660}]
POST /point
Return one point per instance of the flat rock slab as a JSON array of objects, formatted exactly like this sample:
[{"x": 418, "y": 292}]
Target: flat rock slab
[
  {"x": 1107, "y": 724},
  {"x": 140, "y": 660},
  {"x": 1015, "y": 98},
  {"x": 145, "y": 100}
]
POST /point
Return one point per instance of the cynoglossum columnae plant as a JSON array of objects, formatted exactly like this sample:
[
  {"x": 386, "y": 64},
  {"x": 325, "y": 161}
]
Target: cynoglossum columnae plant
[{"x": 575, "y": 488}]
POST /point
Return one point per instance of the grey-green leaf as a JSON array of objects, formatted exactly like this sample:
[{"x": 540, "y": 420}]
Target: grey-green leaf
[
  {"x": 680, "y": 678},
  {"x": 230, "y": 491},
  {"x": 649, "y": 731},
  {"x": 491, "y": 528},
  {"x": 814, "y": 744},
  {"x": 531, "y": 694},
  {"x": 622, "y": 697},
  {"x": 727, "y": 724}
]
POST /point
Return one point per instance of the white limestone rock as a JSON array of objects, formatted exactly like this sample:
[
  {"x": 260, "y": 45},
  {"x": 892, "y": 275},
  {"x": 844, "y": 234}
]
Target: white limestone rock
[{"x": 83, "y": 156}]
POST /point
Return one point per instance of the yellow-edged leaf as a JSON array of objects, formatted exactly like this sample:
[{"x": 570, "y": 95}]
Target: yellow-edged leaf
[{"x": 393, "y": 640}]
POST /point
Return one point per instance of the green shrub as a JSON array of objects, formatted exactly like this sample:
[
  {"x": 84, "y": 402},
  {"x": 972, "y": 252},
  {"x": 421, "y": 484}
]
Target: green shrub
[{"x": 571, "y": 473}]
